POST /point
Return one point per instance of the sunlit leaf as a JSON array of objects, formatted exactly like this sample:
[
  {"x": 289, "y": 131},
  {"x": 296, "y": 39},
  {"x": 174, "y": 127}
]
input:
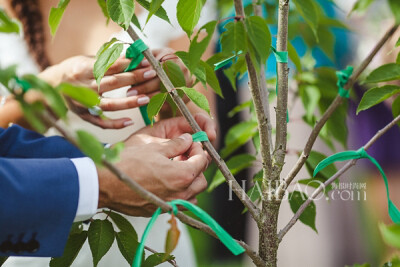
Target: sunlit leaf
[
  {"x": 259, "y": 36},
  {"x": 112, "y": 153},
  {"x": 103, "y": 5},
  {"x": 197, "y": 98},
  {"x": 395, "y": 8},
  {"x": 90, "y": 146},
  {"x": 391, "y": 234},
  {"x": 105, "y": 60},
  {"x": 7, "y": 24},
  {"x": 309, "y": 12},
  {"x": 83, "y": 95},
  {"x": 121, "y": 11},
  {"x": 155, "y": 104},
  {"x": 361, "y": 5},
  {"x": 232, "y": 40},
  {"x": 237, "y": 136},
  {"x": 154, "y": 7},
  {"x": 56, "y": 14},
  {"x": 197, "y": 46},
  {"x": 294, "y": 57},
  {"x": 188, "y": 14},
  {"x": 161, "y": 13}
]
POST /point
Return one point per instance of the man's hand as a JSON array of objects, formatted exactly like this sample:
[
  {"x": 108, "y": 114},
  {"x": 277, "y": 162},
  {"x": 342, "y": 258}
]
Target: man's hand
[
  {"x": 151, "y": 166},
  {"x": 172, "y": 128}
]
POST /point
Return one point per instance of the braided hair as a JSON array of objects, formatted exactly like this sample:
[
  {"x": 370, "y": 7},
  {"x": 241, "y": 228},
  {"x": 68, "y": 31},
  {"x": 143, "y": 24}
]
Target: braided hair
[{"x": 28, "y": 12}]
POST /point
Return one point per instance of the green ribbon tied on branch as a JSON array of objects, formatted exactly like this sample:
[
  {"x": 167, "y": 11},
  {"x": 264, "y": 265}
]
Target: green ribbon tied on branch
[
  {"x": 394, "y": 213},
  {"x": 135, "y": 52},
  {"x": 200, "y": 137},
  {"x": 225, "y": 62},
  {"x": 25, "y": 85},
  {"x": 281, "y": 57},
  {"x": 343, "y": 77},
  {"x": 225, "y": 238}
]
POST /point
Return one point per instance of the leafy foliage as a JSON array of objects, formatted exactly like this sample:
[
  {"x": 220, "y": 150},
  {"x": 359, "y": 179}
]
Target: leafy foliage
[
  {"x": 121, "y": 11},
  {"x": 385, "y": 73},
  {"x": 155, "y": 104},
  {"x": 296, "y": 199},
  {"x": 161, "y": 13},
  {"x": 377, "y": 95},
  {"x": 8, "y": 25},
  {"x": 309, "y": 12},
  {"x": 104, "y": 60},
  {"x": 197, "y": 98},
  {"x": 156, "y": 259},
  {"x": 188, "y": 14},
  {"x": 391, "y": 234}
]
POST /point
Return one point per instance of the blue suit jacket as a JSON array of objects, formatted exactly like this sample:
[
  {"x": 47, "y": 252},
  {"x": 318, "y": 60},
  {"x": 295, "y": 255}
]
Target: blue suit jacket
[{"x": 39, "y": 191}]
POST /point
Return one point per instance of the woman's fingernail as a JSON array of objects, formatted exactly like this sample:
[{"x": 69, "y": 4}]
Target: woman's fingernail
[
  {"x": 149, "y": 74},
  {"x": 145, "y": 63},
  {"x": 131, "y": 93},
  {"x": 143, "y": 100},
  {"x": 128, "y": 123}
]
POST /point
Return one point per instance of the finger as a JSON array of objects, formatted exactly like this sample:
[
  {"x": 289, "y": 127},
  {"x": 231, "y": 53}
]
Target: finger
[
  {"x": 147, "y": 87},
  {"x": 113, "y": 104},
  {"x": 207, "y": 125},
  {"x": 119, "y": 80},
  {"x": 176, "y": 146},
  {"x": 108, "y": 123},
  {"x": 119, "y": 65},
  {"x": 199, "y": 185}
]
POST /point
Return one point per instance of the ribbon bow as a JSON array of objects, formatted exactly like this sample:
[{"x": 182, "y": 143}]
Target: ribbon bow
[
  {"x": 394, "y": 213},
  {"x": 343, "y": 77}
]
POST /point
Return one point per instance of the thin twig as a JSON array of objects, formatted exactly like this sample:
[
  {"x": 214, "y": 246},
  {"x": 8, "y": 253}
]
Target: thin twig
[
  {"x": 348, "y": 165},
  {"x": 335, "y": 104},
  {"x": 150, "y": 197},
  {"x": 240, "y": 193}
]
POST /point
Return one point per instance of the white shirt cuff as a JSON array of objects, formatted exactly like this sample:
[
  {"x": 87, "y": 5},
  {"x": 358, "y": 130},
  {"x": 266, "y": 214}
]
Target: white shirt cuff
[{"x": 88, "y": 188}]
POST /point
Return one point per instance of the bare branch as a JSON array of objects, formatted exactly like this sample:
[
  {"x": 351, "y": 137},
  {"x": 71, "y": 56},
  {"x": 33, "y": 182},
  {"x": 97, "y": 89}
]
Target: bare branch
[
  {"x": 240, "y": 193},
  {"x": 333, "y": 178},
  {"x": 335, "y": 104}
]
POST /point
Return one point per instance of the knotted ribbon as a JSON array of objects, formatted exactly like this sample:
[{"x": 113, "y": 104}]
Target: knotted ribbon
[
  {"x": 200, "y": 137},
  {"x": 343, "y": 77},
  {"x": 394, "y": 213},
  {"x": 135, "y": 52},
  {"x": 225, "y": 238},
  {"x": 25, "y": 85}
]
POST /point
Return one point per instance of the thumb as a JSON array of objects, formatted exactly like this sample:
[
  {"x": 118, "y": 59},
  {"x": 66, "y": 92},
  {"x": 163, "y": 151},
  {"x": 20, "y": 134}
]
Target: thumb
[{"x": 177, "y": 146}]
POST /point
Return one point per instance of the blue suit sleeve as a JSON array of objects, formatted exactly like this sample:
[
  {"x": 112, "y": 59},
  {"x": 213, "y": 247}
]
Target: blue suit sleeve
[
  {"x": 38, "y": 203},
  {"x": 17, "y": 142}
]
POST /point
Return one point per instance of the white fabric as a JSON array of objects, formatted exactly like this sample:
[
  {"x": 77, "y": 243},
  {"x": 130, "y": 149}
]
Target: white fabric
[{"x": 88, "y": 188}]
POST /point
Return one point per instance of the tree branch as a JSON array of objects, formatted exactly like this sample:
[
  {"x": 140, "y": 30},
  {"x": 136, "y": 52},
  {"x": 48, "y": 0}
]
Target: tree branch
[
  {"x": 172, "y": 262},
  {"x": 328, "y": 113},
  {"x": 148, "y": 195},
  {"x": 333, "y": 178},
  {"x": 240, "y": 193}
]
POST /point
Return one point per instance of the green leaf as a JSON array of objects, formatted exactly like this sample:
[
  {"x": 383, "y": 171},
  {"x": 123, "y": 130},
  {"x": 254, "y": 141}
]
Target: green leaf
[
  {"x": 105, "y": 60},
  {"x": 259, "y": 36},
  {"x": 7, "y": 24},
  {"x": 30, "y": 111},
  {"x": 237, "y": 136},
  {"x": 161, "y": 13},
  {"x": 232, "y": 40},
  {"x": 211, "y": 78},
  {"x": 395, "y": 8},
  {"x": 8, "y": 74},
  {"x": 315, "y": 183},
  {"x": 332, "y": 22},
  {"x": 83, "y": 95},
  {"x": 156, "y": 259},
  {"x": 76, "y": 228},
  {"x": 90, "y": 146},
  {"x": 136, "y": 22},
  {"x": 121, "y": 11},
  {"x": 100, "y": 236},
  {"x": 197, "y": 98},
  {"x": 235, "y": 164},
  {"x": 294, "y": 57},
  {"x": 361, "y": 265},
  {"x": 72, "y": 248},
  {"x": 105, "y": 46},
  {"x": 188, "y": 14},
  {"x": 296, "y": 199},
  {"x": 327, "y": 42},
  {"x": 53, "y": 98},
  {"x": 398, "y": 58},
  {"x": 309, "y": 12},
  {"x": 377, "y": 95},
  {"x": 2, "y": 260},
  {"x": 174, "y": 73},
  {"x": 256, "y": 142},
  {"x": 388, "y": 72},
  {"x": 361, "y": 5},
  {"x": 197, "y": 48},
  {"x": 127, "y": 245},
  {"x": 239, "y": 108},
  {"x": 112, "y": 154},
  {"x": 155, "y": 104},
  {"x": 123, "y": 224},
  {"x": 154, "y": 7},
  {"x": 396, "y": 108},
  {"x": 56, "y": 15},
  {"x": 391, "y": 234},
  {"x": 103, "y": 5}
]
